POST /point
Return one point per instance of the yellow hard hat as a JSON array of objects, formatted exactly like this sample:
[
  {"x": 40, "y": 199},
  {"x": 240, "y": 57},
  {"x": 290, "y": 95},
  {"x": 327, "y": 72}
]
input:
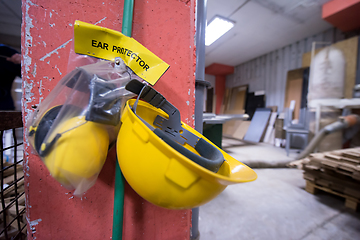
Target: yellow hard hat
[
  {"x": 76, "y": 149},
  {"x": 160, "y": 166}
]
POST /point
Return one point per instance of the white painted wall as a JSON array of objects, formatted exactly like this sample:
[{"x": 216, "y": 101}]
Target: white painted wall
[{"x": 268, "y": 72}]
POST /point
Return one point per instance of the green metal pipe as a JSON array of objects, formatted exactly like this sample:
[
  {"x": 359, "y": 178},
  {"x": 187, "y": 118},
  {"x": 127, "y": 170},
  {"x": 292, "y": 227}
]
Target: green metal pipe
[
  {"x": 118, "y": 204},
  {"x": 119, "y": 178},
  {"x": 127, "y": 17}
]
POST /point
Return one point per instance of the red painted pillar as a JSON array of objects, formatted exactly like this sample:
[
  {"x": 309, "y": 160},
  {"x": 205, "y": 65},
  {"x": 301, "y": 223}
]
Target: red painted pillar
[
  {"x": 343, "y": 14},
  {"x": 164, "y": 27}
]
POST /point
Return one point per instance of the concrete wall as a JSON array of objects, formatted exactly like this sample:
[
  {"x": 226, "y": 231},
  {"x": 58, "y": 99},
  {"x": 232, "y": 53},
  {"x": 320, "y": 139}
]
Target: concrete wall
[
  {"x": 268, "y": 72},
  {"x": 166, "y": 28},
  {"x": 210, "y": 79}
]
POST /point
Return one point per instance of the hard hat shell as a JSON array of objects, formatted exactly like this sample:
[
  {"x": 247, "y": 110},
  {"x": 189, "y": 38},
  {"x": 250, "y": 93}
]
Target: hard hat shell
[
  {"x": 79, "y": 153},
  {"x": 162, "y": 175}
]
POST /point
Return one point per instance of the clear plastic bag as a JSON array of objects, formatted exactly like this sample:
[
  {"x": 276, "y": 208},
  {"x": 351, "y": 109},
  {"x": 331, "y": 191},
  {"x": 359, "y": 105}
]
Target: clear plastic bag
[{"x": 73, "y": 128}]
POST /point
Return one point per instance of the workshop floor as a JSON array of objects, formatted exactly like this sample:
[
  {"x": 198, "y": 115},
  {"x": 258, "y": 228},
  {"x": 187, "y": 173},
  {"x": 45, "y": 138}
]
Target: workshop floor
[
  {"x": 276, "y": 206},
  {"x": 258, "y": 155}
]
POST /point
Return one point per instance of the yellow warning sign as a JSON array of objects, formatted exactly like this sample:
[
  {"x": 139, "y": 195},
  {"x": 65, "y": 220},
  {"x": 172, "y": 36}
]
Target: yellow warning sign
[{"x": 107, "y": 44}]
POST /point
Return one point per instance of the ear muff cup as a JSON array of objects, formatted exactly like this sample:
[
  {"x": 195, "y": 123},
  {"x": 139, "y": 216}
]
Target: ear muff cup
[
  {"x": 79, "y": 153},
  {"x": 47, "y": 121},
  {"x": 80, "y": 149}
]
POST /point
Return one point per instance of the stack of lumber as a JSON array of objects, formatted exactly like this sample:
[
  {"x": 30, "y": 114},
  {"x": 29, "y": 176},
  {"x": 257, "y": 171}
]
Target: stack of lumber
[
  {"x": 14, "y": 202},
  {"x": 260, "y": 129},
  {"x": 336, "y": 172},
  {"x": 235, "y": 128}
]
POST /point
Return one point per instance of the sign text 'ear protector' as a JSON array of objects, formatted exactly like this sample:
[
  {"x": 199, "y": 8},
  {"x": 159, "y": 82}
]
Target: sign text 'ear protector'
[{"x": 167, "y": 162}]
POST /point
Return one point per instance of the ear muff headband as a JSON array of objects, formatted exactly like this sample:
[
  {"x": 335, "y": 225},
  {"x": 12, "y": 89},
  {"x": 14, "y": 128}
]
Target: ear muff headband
[
  {"x": 210, "y": 157},
  {"x": 45, "y": 125}
]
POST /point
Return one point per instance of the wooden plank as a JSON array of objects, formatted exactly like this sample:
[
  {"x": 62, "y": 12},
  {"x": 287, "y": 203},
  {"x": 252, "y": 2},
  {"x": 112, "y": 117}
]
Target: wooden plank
[
  {"x": 235, "y": 101},
  {"x": 270, "y": 128},
  {"x": 273, "y": 108},
  {"x": 235, "y": 128},
  {"x": 21, "y": 200},
  {"x": 310, "y": 187},
  {"x": 293, "y": 91},
  {"x": 342, "y": 157},
  {"x": 349, "y": 203},
  {"x": 10, "y": 233},
  {"x": 229, "y": 127},
  {"x": 12, "y": 188},
  {"x": 10, "y": 178},
  {"x": 10, "y": 171},
  {"x": 240, "y": 98},
  {"x": 352, "y": 155},
  {"x": 347, "y": 168},
  {"x": 241, "y": 129},
  {"x": 12, "y": 210},
  {"x": 226, "y": 100}
]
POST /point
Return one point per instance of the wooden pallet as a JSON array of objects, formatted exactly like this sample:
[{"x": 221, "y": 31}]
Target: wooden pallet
[
  {"x": 337, "y": 183},
  {"x": 350, "y": 202},
  {"x": 344, "y": 162}
]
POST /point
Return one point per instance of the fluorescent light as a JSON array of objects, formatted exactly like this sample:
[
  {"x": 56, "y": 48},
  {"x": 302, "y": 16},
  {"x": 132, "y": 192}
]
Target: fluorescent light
[{"x": 216, "y": 28}]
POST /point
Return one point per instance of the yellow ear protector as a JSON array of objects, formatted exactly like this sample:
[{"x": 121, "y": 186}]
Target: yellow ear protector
[
  {"x": 167, "y": 162},
  {"x": 77, "y": 146}
]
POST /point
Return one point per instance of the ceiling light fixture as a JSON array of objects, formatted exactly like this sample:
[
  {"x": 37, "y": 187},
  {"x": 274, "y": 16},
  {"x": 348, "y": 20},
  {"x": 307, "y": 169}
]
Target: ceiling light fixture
[{"x": 217, "y": 27}]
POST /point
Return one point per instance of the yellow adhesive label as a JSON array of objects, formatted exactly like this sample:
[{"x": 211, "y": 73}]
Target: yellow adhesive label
[{"x": 107, "y": 44}]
